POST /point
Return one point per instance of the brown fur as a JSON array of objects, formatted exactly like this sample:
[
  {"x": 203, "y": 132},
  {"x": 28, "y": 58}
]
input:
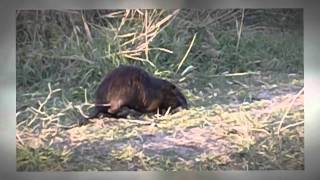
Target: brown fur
[{"x": 132, "y": 87}]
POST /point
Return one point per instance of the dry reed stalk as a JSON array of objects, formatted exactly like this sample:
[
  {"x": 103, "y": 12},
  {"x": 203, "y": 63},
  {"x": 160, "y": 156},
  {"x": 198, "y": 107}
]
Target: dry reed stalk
[
  {"x": 186, "y": 54},
  {"x": 287, "y": 111}
]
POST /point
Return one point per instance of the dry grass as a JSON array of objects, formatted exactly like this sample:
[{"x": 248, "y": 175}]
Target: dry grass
[{"x": 242, "y": 137}]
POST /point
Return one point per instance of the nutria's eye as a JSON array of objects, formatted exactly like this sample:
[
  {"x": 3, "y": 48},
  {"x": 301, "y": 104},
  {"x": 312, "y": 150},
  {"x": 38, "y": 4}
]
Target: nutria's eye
[{"x": 173, "y": 86}]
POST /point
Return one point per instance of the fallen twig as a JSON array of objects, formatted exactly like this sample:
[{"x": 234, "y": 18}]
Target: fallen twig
[
  {"x": 236, "y": 74},
  {"x": 288, "y": 109}
]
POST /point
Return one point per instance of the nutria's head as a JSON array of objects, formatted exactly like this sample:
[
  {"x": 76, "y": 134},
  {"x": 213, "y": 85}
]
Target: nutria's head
[{"x": 173, "y": 96}]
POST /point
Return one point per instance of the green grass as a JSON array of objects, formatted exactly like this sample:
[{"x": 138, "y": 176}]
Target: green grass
[{"x": 41, "y": 159}]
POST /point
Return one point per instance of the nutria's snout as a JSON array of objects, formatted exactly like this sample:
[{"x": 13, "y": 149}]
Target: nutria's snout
[
  {"x": 185, "y": 106},
  {"x": 180, "y": 108}
]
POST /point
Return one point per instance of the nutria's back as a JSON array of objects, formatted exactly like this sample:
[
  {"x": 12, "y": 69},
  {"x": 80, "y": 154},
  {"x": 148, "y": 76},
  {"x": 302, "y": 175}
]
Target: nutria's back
[{"x": 126, "y": 81}]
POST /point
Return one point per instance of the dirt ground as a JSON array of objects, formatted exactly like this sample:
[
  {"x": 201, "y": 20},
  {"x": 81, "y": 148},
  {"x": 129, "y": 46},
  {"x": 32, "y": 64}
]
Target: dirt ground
[{"x": 245, "y": 136}]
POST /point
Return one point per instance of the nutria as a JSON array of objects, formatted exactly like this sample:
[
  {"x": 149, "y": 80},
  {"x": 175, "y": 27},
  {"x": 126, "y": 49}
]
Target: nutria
[{"x": 134, "y": 88}]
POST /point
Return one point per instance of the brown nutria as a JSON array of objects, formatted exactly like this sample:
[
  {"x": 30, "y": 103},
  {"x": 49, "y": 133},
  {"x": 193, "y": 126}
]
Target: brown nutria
[{"x": 134, "y": 88}]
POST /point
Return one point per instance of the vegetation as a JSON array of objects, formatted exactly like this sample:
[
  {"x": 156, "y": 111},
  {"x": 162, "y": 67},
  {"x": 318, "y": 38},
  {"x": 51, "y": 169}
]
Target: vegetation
[{"x": 240, "y": 69}]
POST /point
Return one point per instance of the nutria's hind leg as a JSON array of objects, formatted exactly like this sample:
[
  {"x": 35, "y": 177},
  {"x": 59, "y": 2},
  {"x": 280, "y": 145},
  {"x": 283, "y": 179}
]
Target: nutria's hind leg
[
  {"x": 115, "y": 107},
  {"x": 123, "y": 113}
]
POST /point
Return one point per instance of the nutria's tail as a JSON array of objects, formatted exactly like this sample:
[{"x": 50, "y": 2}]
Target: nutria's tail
[{"x": 98, "y": 109}]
